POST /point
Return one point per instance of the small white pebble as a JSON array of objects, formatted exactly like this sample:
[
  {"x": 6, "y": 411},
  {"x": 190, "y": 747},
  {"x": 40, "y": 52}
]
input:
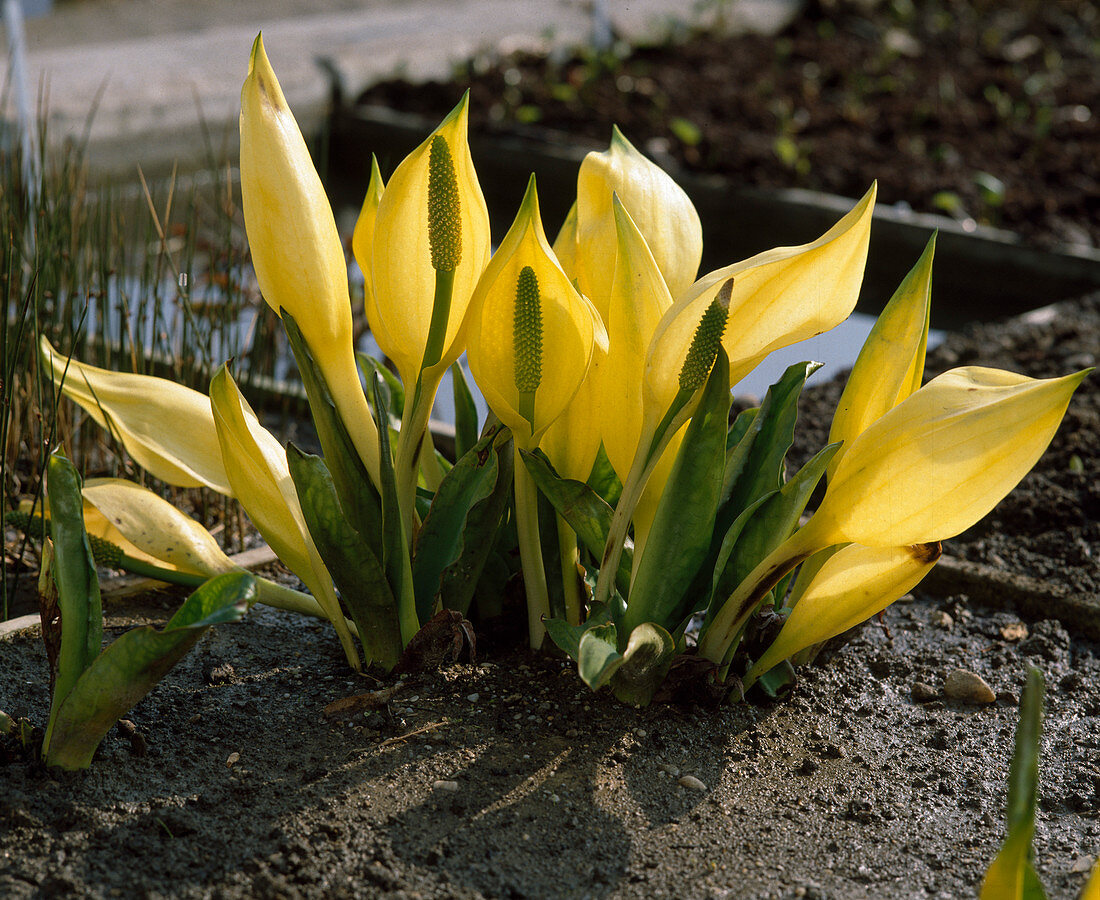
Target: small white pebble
[
  {"x": 691, "y": 782},
  {"x": 451, "y": 786},
  {"x": 473, "y": 698},
  {"x": 234, "y": 757}
]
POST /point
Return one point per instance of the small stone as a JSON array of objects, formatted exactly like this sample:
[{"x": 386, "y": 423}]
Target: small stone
[
  {"x": 233, "y": 759},
  {"x": 451, "y": 786},
  {"x": 669, "y": 769},
  {"x": 967, "y": 687},
  {"x": 923, "y": 693},
  {"x": 1014, "y": 631},
  {"x": 473, "y": 698},
  {"x": 691, "y": 782},
  {"x": 1081, "y": 864},
  {"x": 942, "y": 619}
]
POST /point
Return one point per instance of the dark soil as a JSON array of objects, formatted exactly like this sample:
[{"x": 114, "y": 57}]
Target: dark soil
[
  {"x": 507, "y": 778},
  {"x": 980, "y": 110}
]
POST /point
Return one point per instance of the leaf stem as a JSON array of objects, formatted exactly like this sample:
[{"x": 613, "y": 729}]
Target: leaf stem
[{"x": 530, "y": 552}]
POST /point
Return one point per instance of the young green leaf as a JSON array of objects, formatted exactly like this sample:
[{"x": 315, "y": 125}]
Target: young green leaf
[
  {"x": 395, "y": 548},
  {"x": 755, "y": 466},
  {"x": 128, "y": 669},
  {"x": 1011, "y": 876},
  {"x": 682, "y": 529},
  {"x": 646, "y": 661},
  {"x": 442, "y": 536},
  {"x": 354, "y": 566},
  {"x": 73, "y": 570},
  {"x": 358, "y": 496},
  {"x": 461, "y": 578},
  {"x": 466, "y": 428},
  {"x": 586, "y": 512},
  {"x": 770, "y": 522}
]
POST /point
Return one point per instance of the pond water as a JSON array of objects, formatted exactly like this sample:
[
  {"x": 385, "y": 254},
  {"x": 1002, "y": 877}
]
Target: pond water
[{"x": 158, "y": 322}]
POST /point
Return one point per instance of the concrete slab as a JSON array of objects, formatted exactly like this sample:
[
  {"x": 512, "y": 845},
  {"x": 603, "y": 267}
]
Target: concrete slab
[{"x": 162, "y": 74}]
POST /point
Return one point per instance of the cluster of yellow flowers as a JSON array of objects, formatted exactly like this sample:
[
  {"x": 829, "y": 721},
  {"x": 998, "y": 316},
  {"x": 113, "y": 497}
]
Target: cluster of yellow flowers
[{"x": 606, "y": 338}]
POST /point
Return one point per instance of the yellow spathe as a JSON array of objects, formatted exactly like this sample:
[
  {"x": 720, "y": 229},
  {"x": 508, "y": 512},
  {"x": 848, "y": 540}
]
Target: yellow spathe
[
  {"x": 402, "y": 274},
  {"x": 167, "y": 428}
]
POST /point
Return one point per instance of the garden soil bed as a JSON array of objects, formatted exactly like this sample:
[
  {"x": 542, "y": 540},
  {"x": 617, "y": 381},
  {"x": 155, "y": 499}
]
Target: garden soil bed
[
  {"x": 508, "y": 778},
  {"x": 979, "y": 110}
]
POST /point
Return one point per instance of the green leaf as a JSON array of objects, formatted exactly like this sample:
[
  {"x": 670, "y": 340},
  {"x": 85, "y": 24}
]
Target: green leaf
[
  {"x": 586, "y": 512},
  {"x": 1023, "y": 778},
  {"x": 395, "y": 549},
  {"x": 646, "y": 662},
  {"x": 778, "y": 680},
  {"x": 442, "y": 536},
  {"x": 763, "y": 527},
  {"x": 684, "y": 524},
  {"x": 568, "y": 637},
  {"x": 128, "y": 669},
  {"x": 73, "y": 571},
  {"x": 359, "y": 498},
  {"x": 603, "y": 479},
  {"x": 392, "y": 388},
  {"x": 462, "y": 577},
  {"x": 755, "y": 466},
  {"x": 757, "y": 445},
  {"x": 466, "y": 428},
  {"x": 598, "y": 656},
  {"x": 349, "y": 558},
  {"x": 550, "y": 542}
]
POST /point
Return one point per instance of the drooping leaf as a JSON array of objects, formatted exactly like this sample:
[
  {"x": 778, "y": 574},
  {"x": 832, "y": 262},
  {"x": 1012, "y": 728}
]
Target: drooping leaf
[
  {"x": 684, "y": 524},
  {"x": 568, "y": 637},
  {"x": 586, "y": 512},
  {"x": 73, "y": 570},
  {"x": 355, "y": 568},
  {"x": 598, "y": 656},
  {"x": 128, "y": 669},
  {"x": 646, "y": 661}
]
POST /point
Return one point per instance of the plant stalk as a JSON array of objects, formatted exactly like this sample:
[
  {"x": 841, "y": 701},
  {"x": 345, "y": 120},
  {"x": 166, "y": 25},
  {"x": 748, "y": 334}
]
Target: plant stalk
[{"x": 530, "y": 552}]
